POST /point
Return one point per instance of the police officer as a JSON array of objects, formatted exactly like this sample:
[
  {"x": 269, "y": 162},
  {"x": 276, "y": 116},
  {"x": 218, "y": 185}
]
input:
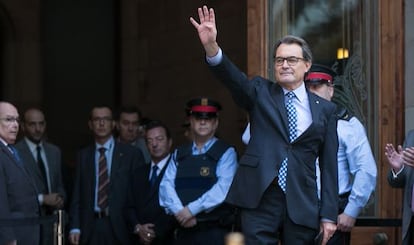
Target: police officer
[
  {"x": 198, "y": 178},
  {"x": 357, "y": 170}
]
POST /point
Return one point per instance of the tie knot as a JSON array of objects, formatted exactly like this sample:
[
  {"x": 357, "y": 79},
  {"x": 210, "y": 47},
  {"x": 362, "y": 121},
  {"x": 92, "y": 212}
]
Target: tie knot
[
  {"x": 102, "y": 150},
  {"x": 290, "y": 94},
  {"x": 38, "y": 148},
  {"x": 154, "y": 168}
]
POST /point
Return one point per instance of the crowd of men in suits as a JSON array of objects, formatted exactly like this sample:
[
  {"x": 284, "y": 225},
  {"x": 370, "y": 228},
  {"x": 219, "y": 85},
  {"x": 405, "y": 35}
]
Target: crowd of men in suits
[{"x": 115, "y": 194}]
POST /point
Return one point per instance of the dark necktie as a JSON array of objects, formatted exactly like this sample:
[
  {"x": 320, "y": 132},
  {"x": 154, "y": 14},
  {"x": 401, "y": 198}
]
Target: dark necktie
[
  {"x": 15, "y": 154},
  {"x": 103, "y": 180},
  {"x": 153, "y": 175},
  {"x": 292, "y": 124},
  {"x": 42, "y": 166}
]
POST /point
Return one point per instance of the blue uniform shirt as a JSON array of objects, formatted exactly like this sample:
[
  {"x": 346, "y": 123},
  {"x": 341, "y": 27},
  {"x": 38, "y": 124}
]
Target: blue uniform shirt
[{"x": 226, "y": 168}]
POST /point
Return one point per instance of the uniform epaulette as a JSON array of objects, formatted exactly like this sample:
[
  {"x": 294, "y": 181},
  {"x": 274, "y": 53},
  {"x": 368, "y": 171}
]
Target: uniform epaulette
[{"x": 343, "y": 114}]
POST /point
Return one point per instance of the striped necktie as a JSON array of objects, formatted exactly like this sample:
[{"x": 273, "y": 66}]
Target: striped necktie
[{"x": 103, "y": 179}]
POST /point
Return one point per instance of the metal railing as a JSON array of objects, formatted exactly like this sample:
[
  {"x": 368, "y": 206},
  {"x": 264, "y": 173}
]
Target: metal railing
[{"x": 57, "y": 219}]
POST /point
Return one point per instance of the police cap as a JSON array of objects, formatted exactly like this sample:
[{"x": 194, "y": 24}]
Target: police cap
[
  {"x": 319, "y": 74},
  {"x": 203, "y": 108}
]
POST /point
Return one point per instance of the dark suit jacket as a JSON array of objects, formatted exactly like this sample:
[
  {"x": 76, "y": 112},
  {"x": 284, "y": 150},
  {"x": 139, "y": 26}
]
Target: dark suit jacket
[
  {"x": 54, "y": 159},
  {"x": 18, "y": 199},
  {"x": 405, "y": 180},
  {"x": 124, "y": 160},
  {"x": 269, "y": 145},
  {"x": 143, "y": 206}
]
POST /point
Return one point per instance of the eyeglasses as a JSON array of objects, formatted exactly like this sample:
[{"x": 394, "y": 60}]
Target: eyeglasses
[
  {"x": 101, "y": 119},
  {"x": 10, "y": 120},
  {"x": 291, "y": 60}
]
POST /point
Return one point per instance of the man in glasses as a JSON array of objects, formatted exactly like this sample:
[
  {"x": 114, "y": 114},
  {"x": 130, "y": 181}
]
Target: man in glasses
[
  {"x": 101, "y": 185},
  {"x": 357, "y": 170},
  {"x": 275, "y": 184},
  {"x": 18, "y": 194}
]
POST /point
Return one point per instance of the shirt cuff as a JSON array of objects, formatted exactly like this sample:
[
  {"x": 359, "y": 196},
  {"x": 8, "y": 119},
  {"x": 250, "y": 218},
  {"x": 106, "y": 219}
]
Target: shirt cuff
[
  {"x": 76, "y": 230},
  {"x": 328, "y": 220},
  {"x": 395, "y": 175},
  {"x": 352, "y": 211},
  {"x": 40, "y": 199},
  {"x": 215, "y": 60}
]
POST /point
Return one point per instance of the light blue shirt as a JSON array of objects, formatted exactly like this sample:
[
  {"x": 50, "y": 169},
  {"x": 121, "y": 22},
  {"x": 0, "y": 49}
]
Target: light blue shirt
[
  {"x": 357, "y": 169},
  {"x": 226, "y": 168},
  {"x": 109, "y": 146}
]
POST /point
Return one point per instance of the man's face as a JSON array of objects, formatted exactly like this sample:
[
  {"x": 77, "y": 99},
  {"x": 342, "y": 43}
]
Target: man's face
[
  {"x": 101, "y": 123},
  {"x": 9, "y": 122},
  {"x": 128, "y": 126},
  {"x": 34, "y": 125},
  {"x": 322, "y": 89},
  {"x": 203, "y": 127},
  {"x": 157, "y": 143},
  {"x": 290, "y": 76}
]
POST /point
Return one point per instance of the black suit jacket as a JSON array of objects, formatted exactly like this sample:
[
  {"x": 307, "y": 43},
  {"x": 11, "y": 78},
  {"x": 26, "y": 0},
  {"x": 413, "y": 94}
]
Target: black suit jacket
[
  {"x": 18, "y": 199},
  {"x": 125, "y": 160},
  {"x": 269, "y": 145},
  {"x": 54, "y": 159},
  {"x": 405, "y": 180},
  {"x": 143, "y": 206}
]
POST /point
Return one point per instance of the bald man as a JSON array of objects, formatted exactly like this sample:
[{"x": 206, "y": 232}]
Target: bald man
[
  {"x": 18, "y": 194},
  {"x": 43, "y": 162}
]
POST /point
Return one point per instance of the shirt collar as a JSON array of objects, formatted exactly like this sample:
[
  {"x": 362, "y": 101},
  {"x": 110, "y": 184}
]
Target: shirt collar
[
  {"x": 161, "y": 163},
  {"x": 32, "y": 146},
  {"x": 300, "y": 92},
  {"x": 107, "y": 145},
  {"x": 206, "y": 146}
]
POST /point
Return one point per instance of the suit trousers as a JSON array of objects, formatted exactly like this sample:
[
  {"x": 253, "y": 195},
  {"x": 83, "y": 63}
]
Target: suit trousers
[
  {"x": 102, "y": 233},
  {"x": 339, "y": 237},
  {"x": 409, "y": 238},
  {"x": 201, "y": 235},
  {"x": 269, "y": 223}
]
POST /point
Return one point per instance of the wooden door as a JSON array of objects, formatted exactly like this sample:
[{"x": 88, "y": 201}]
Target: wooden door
[{"x": 382, "y": 49}]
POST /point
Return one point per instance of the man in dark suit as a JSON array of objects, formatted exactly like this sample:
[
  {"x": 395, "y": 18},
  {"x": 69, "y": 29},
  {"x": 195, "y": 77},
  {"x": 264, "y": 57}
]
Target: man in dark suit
[
  {"x": 101, "y": 185},
  {"x": 401, "y": 175},
  {"x": 45, "y": 171},
  {"x": 275, "y": 184},
  {"x": 146, "y": 218},
  {"x": 18, "y": 194},
  {"x": 129, "y": 127}
]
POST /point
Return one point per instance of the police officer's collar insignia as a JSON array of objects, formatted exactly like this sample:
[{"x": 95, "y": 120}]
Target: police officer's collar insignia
[{"x": 204, "y": 171}]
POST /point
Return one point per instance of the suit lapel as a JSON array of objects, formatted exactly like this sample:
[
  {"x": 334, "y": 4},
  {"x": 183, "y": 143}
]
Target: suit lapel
[
  {"x": 90, "y": 166},
  {"x": 21, "y": 166},
  {"x": 281, "y": 121},
  {"x": 115, "y": 161},
  {"x": 31, "y": 165},
  {"x": 315, "y": 108},
  {"x": 50, "y": 163}
]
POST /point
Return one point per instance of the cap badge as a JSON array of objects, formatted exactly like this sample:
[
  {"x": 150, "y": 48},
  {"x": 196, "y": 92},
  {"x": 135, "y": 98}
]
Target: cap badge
[
  {"x": 204, "y": 101},
  {"x": 204, "y": 171}
]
